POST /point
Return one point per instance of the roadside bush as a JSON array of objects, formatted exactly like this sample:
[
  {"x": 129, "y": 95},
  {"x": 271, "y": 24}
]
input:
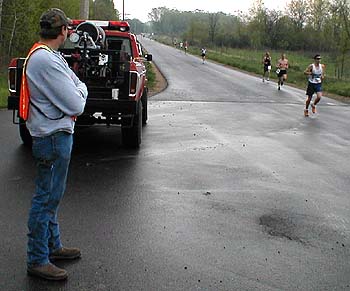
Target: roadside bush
[
  {"x": 3, "y": 90},
  {"x": 151, "y": 75}
]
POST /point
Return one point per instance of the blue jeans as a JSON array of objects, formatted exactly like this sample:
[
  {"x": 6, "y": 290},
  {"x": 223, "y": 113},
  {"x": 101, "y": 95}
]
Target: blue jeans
[{"x": 52, "y": 156}]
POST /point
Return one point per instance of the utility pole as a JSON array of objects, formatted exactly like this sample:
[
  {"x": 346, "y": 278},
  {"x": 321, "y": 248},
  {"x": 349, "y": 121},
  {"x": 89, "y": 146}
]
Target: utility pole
[
  {"x": 84, "y": 9},
  {"x": 123, "y": 11}
]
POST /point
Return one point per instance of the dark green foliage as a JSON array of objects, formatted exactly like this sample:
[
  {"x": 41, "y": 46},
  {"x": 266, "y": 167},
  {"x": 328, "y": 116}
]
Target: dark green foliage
[
  {"x": 20, "y": 21},
  {"x": 103, "y": 10},
  {"x": 19, "y": 27},
  {"x": 151, "y": 75},
  {"x": 136, "y": 26}
]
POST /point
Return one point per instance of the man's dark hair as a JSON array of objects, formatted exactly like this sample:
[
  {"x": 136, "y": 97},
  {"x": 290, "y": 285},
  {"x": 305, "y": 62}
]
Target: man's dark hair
[
  {"x": 50, "y": 33},
  {"x": 51, "y": 23}
]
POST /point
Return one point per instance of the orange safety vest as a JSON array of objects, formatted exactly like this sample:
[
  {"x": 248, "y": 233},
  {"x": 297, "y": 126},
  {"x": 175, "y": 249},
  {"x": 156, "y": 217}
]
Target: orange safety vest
[{"x": 24, "y": 97}]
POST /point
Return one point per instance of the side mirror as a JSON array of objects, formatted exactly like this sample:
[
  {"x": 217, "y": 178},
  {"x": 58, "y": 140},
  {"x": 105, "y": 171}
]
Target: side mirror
[{"x": 148, "y": 57}]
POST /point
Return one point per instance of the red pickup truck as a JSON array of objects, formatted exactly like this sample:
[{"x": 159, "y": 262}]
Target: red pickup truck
[{"x": 107, "y": 57}]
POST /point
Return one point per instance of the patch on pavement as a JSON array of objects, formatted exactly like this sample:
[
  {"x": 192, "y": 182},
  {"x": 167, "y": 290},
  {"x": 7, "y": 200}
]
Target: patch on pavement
[{"x": 278, "y": 226}]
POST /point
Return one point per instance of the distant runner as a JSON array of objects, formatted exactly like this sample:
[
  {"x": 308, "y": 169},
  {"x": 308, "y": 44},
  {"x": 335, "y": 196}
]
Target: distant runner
[
  {"x": 267, "y": 66},
  {"x": 315, "y": 73},
  {"x": 282, "y": 66},
  {"x": 186, "y": 47},
  {"x": 203, "y": 54}
]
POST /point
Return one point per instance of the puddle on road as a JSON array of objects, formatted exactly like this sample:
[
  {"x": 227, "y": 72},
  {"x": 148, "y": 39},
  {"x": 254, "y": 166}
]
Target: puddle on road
[{"x": 279, "y": 226}]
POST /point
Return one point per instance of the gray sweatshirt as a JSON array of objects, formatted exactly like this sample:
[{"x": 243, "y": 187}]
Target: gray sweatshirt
[{"x": 56, "y": 91}]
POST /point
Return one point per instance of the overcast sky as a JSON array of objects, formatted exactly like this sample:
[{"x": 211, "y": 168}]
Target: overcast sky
[{"x": 140, "y": 8}]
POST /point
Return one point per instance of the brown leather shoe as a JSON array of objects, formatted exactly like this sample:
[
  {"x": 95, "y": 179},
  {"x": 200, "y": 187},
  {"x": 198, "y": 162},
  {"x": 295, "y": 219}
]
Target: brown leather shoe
[
  {"x": 65, "y": 254},
  {"x": 48, "y": 272}
]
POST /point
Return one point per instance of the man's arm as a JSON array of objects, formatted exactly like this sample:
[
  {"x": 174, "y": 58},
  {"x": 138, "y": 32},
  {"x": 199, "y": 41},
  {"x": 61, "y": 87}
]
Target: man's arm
[
  {"x": 308, "y": 70},
  {"x": 80, "y": 85},
  {"x": 323, "y": 71},
  {"x": 59, "y": 84}
]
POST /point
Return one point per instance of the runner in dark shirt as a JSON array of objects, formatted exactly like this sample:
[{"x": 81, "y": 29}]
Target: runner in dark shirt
[{"x": 267, "y": 66}]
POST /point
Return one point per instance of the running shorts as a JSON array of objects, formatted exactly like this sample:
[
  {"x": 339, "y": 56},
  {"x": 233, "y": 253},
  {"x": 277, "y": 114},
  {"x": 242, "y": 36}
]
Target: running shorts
[
  {"x": 282, "y": 72},
  {"x": 313, "y": 88},
  {"x": 267, "y": 68}
]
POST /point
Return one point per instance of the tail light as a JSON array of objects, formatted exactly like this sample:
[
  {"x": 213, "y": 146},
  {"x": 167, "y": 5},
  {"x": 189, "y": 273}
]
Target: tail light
[
  {"x": 133, "y": 83},
  {"x": 12, "y": 79},
  {"x": 119, "y": 25}
]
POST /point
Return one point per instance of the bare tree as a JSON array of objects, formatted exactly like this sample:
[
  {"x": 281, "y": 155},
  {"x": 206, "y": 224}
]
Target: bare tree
[
  {"x": 15, "y": 18},
  {"x": 298, "y": 11},
  {"x": 1, "y": 1},
  {"x": 1, "y": 33},
  {"x": 341, "y": 23},
  {"x": 84, "y": 9},
  {"x": 345, "y": 13},
  {"x": 213, "y": 21},
  {"x": 318, "y": 13},
  {"x": 156, "y": 14}
]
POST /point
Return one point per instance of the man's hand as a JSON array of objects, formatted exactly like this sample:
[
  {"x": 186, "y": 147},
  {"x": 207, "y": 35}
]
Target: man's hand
[{"x": 308, "y": 71}]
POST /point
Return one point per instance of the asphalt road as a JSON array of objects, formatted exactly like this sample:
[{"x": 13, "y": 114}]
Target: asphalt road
[{"x": 232, "y": 189}]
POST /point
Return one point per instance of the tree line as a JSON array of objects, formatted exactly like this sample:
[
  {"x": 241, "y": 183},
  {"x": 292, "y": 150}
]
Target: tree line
[{"x": 304, "y": 25}]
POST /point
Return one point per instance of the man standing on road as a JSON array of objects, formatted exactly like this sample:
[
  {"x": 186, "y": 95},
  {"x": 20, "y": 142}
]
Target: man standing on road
[
  {"x": 56, "y": 96},
  {"x": 315, "y": 73}
]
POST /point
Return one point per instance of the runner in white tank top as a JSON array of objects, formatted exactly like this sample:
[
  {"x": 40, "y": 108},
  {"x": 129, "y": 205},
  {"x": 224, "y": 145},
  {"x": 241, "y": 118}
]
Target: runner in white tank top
[{"x": 315, "y": 73}]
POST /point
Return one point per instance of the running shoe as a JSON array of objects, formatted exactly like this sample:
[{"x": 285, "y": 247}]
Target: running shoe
[
  {"x": 313, "y": 108},
  {"x": 279, "y": 87},
  {"x": 306, "y": 112}
]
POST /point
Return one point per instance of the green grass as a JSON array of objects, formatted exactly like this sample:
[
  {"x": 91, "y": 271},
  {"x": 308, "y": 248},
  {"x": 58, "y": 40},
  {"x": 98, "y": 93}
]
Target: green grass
[
  {"x": 151, "y": 75},
  {"x": 3, "y": 90},
  {"x": 250, "y": 60}
]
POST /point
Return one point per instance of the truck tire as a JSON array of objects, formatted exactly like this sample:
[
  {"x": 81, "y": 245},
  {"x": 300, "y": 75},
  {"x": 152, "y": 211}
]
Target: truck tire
[
  {"x": 24, "y": 133},
  {"x": 144, "y": 100},
  {"x": 131, "y": 136}
]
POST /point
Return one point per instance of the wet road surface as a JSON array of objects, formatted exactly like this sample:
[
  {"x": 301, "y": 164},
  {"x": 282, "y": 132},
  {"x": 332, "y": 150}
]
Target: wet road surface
[{"x": 232, "y": 189}]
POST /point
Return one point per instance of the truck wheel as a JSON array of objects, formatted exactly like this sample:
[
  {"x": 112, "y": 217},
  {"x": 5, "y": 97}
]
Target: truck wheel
[
  {"x": 24, "y": 133},
  {"x": 144, "y": 100},
  {"x": 131, "y": 136}
]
